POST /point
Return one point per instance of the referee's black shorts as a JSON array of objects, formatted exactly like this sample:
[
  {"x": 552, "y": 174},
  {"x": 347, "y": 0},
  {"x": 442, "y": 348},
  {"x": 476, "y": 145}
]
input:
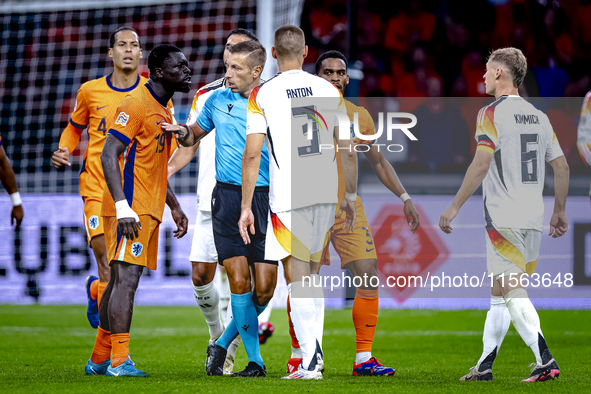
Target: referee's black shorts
[{"x": 226, "y": 201}]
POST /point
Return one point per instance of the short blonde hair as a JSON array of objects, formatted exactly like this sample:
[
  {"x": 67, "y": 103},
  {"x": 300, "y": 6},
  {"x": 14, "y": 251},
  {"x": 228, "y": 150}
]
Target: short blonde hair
[
  {"x": 514, "y": 60},
  {"x": 289, "y": 41}
]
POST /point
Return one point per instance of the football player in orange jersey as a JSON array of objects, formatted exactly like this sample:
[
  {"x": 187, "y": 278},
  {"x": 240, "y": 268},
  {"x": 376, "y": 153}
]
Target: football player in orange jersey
[
  {"x": 96, "y": 103},
  {"x": 352, "y": 247},
  {"x": 135, "y": 163},
  {"x": 9, "y": 183}
]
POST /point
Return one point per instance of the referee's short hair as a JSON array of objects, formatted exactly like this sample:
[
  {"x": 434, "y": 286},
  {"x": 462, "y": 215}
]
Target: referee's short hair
[{"x": 257, "y": 55}]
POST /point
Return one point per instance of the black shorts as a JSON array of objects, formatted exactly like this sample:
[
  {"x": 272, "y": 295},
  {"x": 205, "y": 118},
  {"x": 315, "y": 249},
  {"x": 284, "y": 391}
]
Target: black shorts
[{"x": 226, "y": 201}]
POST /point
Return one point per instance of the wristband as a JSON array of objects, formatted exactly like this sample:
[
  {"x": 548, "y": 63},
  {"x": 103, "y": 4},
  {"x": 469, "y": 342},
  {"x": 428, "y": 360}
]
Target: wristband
[
  {"x": 351, "y": 196},
  {"x": 124, "y": 211},
  {"x": 181, "y": 139},
  {"x": 16, "y": 199},
  {"x": 404, "y": 197}
]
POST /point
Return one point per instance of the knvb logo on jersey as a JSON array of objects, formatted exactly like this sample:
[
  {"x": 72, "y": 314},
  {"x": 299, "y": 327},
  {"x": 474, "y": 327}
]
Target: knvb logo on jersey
[{"x": 362, "y": 142}]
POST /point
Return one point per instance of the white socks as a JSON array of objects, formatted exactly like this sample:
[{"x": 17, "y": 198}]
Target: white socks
[
  {"x": 362, "y": 357},
  {"x": 233, "y": 346},
  {"x": 318, "y": 294},
  {"x": 296, "y": 352},
  {"x": 207, "y": 298},
  {"x": 266, "y": 315},
  {"x": 224, "y": 291},
  {"x": 303, "y": 313},
  {"x": 525, "y": 319},
  {"x": 498, "y": 320}
]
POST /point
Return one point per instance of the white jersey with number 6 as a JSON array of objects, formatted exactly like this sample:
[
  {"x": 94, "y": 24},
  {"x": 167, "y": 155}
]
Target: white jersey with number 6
[
  {"x": 301, "y": 172},
  {"x": 521, "y": 140}
]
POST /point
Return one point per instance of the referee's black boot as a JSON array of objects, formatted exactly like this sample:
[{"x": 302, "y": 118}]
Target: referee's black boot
[{"x": 252, "y": 370}]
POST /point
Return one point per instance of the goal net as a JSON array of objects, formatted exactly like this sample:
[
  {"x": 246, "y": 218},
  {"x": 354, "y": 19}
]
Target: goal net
[{"x": 48, "y": 50}]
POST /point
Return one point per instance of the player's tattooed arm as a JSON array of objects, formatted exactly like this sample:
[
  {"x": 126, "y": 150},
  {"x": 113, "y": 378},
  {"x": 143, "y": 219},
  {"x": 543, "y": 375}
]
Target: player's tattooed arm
[
  {"x": 127, "y": 219},
  {"x": 474, "y": 177},
  {"x": 186, "y": 135},
  {"x": 179, "y": 217},
  {"x": 389, "y": 178}
]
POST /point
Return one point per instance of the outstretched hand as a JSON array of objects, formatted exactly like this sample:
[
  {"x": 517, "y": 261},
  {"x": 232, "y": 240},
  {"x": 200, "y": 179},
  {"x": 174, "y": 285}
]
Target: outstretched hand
[{"x": 180, "y": 131}]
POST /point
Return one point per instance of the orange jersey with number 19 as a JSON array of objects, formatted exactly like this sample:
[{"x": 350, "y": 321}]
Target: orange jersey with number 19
[
  {"x": 96, "y": 103},
  {"x": 144, "y": 164}
]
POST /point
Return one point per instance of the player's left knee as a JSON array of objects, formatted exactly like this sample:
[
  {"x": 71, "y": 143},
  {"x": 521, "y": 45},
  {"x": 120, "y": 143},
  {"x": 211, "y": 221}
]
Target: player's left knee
[{"x": 265, "y": 291}]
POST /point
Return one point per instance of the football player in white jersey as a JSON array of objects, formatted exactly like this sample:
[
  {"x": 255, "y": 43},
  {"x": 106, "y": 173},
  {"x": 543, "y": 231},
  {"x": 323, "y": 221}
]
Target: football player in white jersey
[
  {"x": 303, "y": 182},
  {"x": 212, "y": 301},
  {"x": 514, "y": 140},
  {"x": 584, "y": 132}
]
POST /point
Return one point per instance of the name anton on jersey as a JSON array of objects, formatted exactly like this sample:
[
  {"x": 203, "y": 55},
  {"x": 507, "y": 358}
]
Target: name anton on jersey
[
  {"x": 299, "y": 92},
  {"x": 526, "y": 119}
]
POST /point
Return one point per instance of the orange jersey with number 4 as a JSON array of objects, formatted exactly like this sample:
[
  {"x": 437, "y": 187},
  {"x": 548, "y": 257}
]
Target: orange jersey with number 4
[{"x": 144, "y": 163}]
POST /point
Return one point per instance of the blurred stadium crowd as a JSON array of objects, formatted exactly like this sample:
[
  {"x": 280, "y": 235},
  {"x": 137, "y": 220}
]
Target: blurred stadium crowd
[
  {"x": 422, "y": 48},
  {"x": 439, "y": 48}
]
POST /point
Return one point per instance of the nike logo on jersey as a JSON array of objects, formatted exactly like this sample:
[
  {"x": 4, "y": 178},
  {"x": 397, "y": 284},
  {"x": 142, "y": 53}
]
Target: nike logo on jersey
[
  {"x": 245, "y": 327},
  {"x": 124, "y": 341},
  {"x": 158, "y": 123},
  {"x": 230, "y": 106},
  {"x": 370, "y": 325},
  {"x": 99, "y": 108},
  {"x": 369, "y": 250}
]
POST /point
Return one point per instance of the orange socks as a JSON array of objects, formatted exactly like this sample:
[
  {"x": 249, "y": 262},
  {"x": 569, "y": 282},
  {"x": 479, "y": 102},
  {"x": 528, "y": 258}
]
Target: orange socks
[
  {"x": 94, "y": 290},
  {"x": 102, "y": 346},
  {"x": 294, "y": 339},
  {"x": 120, "y": 343},
  {"x": 365, "y": 318},
  {"x": 101, "y": 289}
]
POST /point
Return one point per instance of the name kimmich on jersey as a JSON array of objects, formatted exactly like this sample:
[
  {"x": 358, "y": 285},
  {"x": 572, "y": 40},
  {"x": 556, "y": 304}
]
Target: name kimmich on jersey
[{"x": 520, "y": 138}]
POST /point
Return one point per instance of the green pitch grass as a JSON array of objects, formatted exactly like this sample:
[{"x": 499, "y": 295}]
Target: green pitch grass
[{"x": 44, "y": 349}]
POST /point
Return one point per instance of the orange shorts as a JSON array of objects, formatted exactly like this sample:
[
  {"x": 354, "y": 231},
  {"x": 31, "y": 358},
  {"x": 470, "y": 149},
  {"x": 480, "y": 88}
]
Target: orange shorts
[
  {"x": 351, "y": 246},
  {"x": 93, "y": 221},
  {"x": 141, "y": 251}
]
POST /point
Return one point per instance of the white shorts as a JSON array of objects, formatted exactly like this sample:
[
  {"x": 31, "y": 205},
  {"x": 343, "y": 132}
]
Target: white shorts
[
  {"x": 203, "y": 248},
  {"x": 510, "y": 250},
  {"x": 302, "y": 233}
]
